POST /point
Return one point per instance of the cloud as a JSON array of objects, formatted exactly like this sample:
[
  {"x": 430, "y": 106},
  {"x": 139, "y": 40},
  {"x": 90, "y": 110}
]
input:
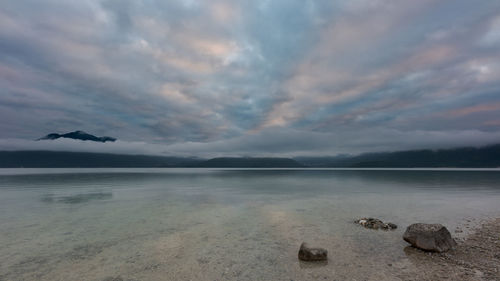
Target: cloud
[
  {"x": 475, "y": 109},
  {"x": 226, "y": 76},
  {"x": 274, "y": 142}
]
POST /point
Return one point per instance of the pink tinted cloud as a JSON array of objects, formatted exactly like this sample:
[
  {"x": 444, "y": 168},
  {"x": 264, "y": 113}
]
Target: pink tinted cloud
[{"x": 475, "y": 109}]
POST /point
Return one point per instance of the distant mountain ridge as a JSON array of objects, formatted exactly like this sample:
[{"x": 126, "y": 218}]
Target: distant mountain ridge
[
  {"x": 66, "y": 159},
  {"x": 464, "y": 157},
  {"x": 467, "y": 157},
  {"x": 78, "y": 135},
  {"x": 250, "y": 162}
]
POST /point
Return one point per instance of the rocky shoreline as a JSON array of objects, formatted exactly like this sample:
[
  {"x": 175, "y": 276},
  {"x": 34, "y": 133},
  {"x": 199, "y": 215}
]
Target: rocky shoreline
[
  {"x": 434, "y": 254},
  {"x": 476, "y": 257}
]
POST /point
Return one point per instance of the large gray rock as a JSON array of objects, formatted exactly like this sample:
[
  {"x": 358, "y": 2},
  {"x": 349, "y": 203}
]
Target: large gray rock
[
  {"x": 312, "y": 254},
  {"x": 429, "y": 237}
]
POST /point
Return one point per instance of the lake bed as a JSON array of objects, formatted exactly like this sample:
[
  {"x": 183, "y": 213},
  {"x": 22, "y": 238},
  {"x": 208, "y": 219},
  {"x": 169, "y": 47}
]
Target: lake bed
[{"x": 226, "y": 224}]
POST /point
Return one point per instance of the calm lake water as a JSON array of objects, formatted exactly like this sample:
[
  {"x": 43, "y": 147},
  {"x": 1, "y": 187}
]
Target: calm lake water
[{"x": 225, "y": 224}]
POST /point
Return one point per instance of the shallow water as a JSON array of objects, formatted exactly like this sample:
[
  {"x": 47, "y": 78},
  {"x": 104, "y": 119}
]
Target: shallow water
[{"x": 225, "y": 224}]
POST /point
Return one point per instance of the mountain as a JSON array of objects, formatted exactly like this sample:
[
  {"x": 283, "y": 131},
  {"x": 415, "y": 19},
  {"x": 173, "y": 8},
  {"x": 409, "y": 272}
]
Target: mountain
[
  {"x": 78, "y": 135},
  {"x": 61, "y": 159},
  {"x": 465, "y": 157},
  {"x": 249, "y": 162}
]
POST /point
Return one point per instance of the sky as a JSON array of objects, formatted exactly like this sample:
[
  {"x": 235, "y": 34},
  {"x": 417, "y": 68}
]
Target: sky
[{"x": 243, "y": 78}]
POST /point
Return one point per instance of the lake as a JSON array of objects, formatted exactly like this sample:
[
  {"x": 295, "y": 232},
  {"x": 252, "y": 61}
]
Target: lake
[{"x": 226, "y": 224}]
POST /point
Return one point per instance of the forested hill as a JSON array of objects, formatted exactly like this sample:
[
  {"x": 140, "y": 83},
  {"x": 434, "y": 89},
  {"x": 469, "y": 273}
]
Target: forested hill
[
  {"x": 59, "y": 159},
  {"x": 467, "y": 157},
  {"x": 250, "y": 162},
  {"x": 62, "y": 159}
]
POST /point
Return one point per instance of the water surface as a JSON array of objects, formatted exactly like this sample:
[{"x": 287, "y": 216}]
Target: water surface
[{"x": 225, "y": 224}]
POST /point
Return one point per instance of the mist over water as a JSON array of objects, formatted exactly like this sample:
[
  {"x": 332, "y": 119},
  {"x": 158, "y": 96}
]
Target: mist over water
[{"x": 224, "y": 224}]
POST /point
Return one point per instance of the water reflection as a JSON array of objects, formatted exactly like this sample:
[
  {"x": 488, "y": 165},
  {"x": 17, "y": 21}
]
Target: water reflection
[
  {"x": 312, "y": 265},
  {"x": 77, "y": 198}
]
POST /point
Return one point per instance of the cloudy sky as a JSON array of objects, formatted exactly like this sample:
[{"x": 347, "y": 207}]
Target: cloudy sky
[{"x": 266, "y": 77}]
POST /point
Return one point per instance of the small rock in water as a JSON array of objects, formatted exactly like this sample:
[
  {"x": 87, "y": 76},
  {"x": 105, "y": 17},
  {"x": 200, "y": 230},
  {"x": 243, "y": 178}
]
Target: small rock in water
[
  {"x": 373, "y": 223},
  {"x": 312, "y": 254},
  {"x": 429, "y": 237},
  {"x": 392, "y": 225}
]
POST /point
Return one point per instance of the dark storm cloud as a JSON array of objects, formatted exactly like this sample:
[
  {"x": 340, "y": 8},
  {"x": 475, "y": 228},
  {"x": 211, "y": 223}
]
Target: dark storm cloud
[{"x": 251, "y": 77}]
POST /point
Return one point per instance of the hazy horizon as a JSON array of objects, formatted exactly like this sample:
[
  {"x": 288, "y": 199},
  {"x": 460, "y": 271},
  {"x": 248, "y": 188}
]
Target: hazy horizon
[{"x": 137, "y": 148}]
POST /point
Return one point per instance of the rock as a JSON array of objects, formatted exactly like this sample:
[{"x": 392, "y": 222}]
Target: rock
[
  {"x": 429, "y": 237},
  {"x": 392, "y": 225},
  {"x": 312, "y": 254},
  {"x": 373, "y": 223}
]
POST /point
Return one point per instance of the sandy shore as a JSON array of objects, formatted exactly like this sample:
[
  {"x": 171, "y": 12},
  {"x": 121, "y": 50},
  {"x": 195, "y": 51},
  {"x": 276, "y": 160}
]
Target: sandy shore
[{"x": 477, "y": 257}]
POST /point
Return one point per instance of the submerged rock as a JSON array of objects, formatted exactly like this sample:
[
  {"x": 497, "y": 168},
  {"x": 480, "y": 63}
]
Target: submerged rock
[
  {"x": 392, "y": 225},
  {"x": 312, "y": 254},
  {"x": 429, "y": 237},
  {"x": 373, "y": 223}
]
